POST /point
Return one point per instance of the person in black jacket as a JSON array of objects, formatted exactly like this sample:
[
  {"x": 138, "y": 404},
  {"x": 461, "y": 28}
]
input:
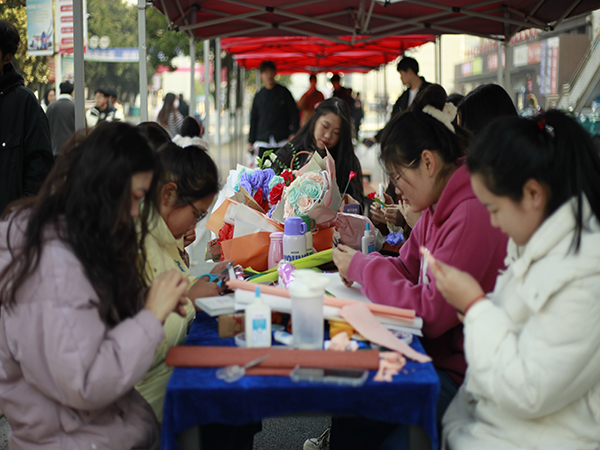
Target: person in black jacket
[
  {"x": 409, "y": 75},
  {"x": 25, "y": 148},
  {"x": 61, "y": 116},
  {"x": 275, "y": 118}
]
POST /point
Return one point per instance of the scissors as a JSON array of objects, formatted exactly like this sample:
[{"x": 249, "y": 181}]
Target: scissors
[{"x": 220, "y": 279}]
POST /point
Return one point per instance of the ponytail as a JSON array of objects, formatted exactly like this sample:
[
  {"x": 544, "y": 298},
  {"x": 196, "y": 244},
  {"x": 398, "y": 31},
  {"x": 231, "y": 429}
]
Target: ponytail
[
  {"x": 429, "y": 124},
  {"x": 552, "y": 149},
  {"x": 191, "y": 168}
]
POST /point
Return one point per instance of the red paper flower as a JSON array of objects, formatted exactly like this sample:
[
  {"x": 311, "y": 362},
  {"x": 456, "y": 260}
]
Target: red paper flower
[
  {"x": 352, "y": 175},
  {"x": 226, "y": 232},
  {"x": 275, "y": 194},
  {"x": 258, "y": 196},
  {"x": 288, "y": 177},
  {"x": 371, "y": 196},
  {"x": 261, "y": 200}
]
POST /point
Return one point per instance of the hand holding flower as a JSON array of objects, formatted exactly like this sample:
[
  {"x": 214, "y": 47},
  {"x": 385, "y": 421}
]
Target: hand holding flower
[
  {"x": 459, "y": 288},
  {"x": 342, "y": 255}
]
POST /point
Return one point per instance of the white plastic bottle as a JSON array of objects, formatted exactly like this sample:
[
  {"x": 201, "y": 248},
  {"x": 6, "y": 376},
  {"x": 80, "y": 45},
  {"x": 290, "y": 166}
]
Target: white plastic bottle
[
  {"x": 368, "y": 241},
  {"x": 294, "y": 240},
  {"x": 258, "y": 323}
]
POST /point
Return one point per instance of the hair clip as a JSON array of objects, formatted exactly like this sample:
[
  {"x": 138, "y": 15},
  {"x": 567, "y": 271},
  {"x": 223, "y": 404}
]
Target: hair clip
[{"x": 543, "y": 126}]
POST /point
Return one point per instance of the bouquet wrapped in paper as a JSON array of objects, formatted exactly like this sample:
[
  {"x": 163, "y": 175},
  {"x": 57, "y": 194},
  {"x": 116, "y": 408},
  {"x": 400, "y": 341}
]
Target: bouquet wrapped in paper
[
  {"x": 241, "y": 217},
  {"x": 315, "y": 193}
]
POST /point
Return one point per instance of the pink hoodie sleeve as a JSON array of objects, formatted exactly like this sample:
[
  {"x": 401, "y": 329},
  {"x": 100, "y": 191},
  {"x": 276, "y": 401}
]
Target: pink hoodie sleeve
[{"x": 468, "y": 244}]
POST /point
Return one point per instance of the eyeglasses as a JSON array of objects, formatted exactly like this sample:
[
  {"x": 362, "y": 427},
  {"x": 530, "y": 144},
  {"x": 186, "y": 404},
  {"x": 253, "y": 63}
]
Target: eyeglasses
[
  {"x": 396, "y": 177},
  {"x": 199, "y": 215}
]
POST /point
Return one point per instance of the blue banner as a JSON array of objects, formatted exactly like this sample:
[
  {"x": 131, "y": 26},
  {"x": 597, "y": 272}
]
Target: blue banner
[{"x": 127, "y": 54}]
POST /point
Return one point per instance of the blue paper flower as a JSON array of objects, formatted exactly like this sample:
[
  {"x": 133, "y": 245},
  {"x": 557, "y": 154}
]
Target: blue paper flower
[
  {"x": 394, "y": 239},
  {"x": 257, "y": 179},
  {"x": 269, "y": 175},
  {"x": 245, "y": 182}
]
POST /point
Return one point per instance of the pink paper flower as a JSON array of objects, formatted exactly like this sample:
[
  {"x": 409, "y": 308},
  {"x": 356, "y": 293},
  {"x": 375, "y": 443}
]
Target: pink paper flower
[{"x": 304, "y": 203}]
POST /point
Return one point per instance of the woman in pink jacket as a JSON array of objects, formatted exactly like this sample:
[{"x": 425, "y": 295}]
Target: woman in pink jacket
[
  {"x": 77, "y": 328},
  {"x": 423, "y": 155}
]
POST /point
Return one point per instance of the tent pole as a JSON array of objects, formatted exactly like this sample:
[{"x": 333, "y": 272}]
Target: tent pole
[
  {"x": 192, "y": 76},
  {"x": 240, "y": 114},
  {"x": 509, "y": 55},
  {"x": 206, "y": 85},
  {"x": 143, "y": 62},
  {"x": 500, "y": 66},
  {"x": 438, "y": 59},
  {"x": 218, "y": 98},
  {"x": 78, "y": 64}
]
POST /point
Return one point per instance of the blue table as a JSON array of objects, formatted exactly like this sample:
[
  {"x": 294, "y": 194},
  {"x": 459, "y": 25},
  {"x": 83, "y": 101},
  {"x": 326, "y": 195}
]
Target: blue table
[{"x": 196, "y": 397}]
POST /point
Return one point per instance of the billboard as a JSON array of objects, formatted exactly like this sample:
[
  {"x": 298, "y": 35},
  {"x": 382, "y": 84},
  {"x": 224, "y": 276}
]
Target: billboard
[{"x": 40, "y": 29}]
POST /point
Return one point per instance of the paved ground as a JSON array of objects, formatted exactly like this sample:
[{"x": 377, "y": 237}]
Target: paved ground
[{"x": 286, "y": 433}]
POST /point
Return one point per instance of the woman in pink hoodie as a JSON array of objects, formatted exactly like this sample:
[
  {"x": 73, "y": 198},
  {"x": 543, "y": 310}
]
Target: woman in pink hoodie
[
  {"x": 423, "y": 155},
  {"x": 77, "y": 327}
]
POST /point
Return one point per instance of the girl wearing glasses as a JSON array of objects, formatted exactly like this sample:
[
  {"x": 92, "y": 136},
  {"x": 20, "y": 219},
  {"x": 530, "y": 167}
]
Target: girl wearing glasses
[
  {"x": 186, "y": 188},
  {"x": 422, "y": 151}
]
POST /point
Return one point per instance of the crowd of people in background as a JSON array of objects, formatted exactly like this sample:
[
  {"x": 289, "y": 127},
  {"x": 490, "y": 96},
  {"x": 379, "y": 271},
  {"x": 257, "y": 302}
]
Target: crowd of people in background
[{"x": 502, "y": 262}]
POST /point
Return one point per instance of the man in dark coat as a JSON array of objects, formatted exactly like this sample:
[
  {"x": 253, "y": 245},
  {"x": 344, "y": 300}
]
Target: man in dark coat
[
  {"x": 409, "y": 74},
  {"x": 61, "y": 116},
  {"x": 25, "y": 148},
  {"x": 274, "y": 118}
]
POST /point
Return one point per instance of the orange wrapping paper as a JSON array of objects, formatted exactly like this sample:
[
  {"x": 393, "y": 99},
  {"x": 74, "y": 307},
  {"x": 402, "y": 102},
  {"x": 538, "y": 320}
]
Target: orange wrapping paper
[{"x": 280, "y": 361}]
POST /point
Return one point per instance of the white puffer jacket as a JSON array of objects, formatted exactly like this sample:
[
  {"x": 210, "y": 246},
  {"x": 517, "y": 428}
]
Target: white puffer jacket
[{"x": 533, "y": 349}]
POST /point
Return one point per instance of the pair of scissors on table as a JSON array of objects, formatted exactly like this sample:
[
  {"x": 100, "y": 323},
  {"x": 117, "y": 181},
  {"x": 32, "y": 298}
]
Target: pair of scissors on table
[{"x": 220, "y": 279}]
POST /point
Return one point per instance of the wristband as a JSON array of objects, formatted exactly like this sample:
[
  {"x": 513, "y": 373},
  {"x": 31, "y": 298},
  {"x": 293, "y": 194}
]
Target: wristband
[{"x": 481, "y": 297}]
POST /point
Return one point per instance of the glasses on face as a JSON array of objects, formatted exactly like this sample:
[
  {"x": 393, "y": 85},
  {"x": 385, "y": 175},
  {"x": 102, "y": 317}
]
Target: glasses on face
[
  {"x": 396, "y": 177},
  {"x": 199, "y": 215}
]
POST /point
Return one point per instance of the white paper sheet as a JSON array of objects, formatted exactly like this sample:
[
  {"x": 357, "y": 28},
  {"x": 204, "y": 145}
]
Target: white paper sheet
[{"x": 337, "y": 288}]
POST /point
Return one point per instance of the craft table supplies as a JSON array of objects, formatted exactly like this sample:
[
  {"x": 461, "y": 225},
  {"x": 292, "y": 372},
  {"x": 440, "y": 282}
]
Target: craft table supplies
[
  {"x": 258, "y": 323},
  {"x": 294, "y": 241},
  {"x": 306, "y": 292}
]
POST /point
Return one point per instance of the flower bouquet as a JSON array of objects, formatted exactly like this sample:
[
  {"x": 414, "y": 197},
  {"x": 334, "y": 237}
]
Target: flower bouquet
[
  {"x": 314, "y": 189},
  {"x": 241, "y": 217}
]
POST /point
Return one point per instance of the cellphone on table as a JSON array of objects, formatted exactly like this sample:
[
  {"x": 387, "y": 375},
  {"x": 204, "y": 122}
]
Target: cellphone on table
[{"x": 339, "y": 376}]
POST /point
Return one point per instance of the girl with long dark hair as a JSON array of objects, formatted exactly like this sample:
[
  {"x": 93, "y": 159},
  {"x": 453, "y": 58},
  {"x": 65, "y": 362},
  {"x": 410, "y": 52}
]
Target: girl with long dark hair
[
  {"x": 329, "y": 127},
  {"x": 169, "y": 116},
  {"x": 533, "y": 343},
  {"x": 78, "y": 327}
]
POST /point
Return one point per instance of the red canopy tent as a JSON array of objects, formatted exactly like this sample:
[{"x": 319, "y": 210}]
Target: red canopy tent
[
  {"x": 496, "y": 19},
  {"x": 315, "y": 54}
]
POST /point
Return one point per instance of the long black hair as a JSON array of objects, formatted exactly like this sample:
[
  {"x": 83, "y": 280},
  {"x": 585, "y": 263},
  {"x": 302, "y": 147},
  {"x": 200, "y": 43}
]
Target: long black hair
[
  {"x": 87, "y": 200},
  {"x": 484, "y": 104},
  {"x": 191, "y": 169},
  {"x": 342, "y": 153},
  {"x": 168, "y": 108},
  {"x": 407, "y": 135},
  {"x": 552, "y": 149}
]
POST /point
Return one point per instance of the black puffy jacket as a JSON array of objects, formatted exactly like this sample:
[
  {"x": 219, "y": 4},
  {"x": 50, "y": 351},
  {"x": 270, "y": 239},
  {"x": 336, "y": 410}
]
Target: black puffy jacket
[{"x": 25, "y": 146}]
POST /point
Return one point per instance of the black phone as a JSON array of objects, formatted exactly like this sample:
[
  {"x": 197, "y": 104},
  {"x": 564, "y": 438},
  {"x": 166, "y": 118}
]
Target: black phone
[{"x": 334, "y": 375}]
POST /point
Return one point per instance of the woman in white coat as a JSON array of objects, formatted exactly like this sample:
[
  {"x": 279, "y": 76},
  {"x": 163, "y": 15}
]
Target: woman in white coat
[{"x": 533, "y": 344}]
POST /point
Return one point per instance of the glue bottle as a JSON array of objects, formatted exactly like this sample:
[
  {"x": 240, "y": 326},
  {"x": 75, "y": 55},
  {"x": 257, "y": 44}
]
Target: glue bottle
[
  {"x": 368, "y": 241},
  {"x": 258, "y": 323}
]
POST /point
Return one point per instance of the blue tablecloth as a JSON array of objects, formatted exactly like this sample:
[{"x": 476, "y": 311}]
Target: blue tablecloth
[{"x": 196, "y": 397}]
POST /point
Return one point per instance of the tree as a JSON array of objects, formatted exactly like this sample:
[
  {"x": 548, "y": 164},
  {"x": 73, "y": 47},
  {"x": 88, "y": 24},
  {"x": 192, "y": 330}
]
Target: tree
[
  {"x": 35, "y": 69},
  {"x": 118, "y": 21}
]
